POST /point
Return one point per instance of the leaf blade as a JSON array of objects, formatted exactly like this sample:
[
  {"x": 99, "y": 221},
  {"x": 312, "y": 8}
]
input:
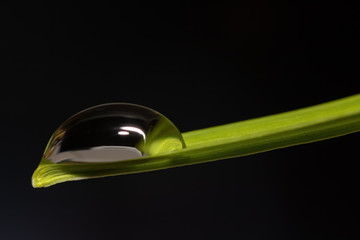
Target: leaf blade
[{"x": 243, "y": 138}]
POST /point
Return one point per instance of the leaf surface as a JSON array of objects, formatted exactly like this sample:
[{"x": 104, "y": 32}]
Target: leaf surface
[{"x": 243, "y": 138}]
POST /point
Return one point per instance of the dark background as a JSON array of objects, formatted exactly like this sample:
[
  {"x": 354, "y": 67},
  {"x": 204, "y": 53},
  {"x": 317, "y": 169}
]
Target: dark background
[{"x": 201, "y": 65}]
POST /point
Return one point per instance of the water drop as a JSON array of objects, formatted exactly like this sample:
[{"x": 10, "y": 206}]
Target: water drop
[{"x": 113, "y": 132}]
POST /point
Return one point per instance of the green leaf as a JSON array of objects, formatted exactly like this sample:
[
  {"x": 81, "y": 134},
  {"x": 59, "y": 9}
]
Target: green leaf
[{"x": 243, "y": 138}]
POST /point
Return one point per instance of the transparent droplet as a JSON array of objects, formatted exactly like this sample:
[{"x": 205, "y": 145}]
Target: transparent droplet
[{"x": 113, "y": 132}]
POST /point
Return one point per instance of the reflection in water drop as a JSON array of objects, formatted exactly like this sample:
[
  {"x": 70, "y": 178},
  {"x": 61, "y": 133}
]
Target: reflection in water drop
[{"x": 113, "y": 132}]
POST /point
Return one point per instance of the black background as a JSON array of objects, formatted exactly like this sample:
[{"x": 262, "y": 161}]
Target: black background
[{"x": 201, "y": 65}]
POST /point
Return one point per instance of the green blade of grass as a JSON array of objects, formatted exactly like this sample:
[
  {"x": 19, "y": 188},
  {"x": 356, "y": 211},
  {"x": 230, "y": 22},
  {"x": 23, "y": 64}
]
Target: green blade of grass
[{"x": 243, "y": 138}]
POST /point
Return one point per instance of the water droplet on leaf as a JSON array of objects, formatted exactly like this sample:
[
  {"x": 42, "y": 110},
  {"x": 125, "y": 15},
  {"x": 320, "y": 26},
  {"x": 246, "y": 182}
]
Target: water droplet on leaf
[{"x": 113, "y": 132}]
